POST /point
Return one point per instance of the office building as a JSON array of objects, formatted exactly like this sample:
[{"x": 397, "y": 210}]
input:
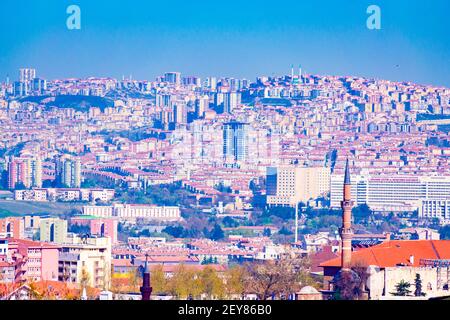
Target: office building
[
  {"x": 435, "y": 209},
  {"x": 392, "y": 193}
]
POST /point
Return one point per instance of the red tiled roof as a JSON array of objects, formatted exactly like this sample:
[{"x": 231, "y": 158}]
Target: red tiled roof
[{"x": 392, "y": 253}]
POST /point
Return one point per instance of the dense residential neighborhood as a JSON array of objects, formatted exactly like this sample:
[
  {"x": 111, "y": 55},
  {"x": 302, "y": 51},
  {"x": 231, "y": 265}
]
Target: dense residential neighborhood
[{"x": 333, "y": 187}]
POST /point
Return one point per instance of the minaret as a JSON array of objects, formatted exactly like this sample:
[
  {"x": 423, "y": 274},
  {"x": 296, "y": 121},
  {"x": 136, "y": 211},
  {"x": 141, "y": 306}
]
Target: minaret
[
  {"x": 346, "y": 231},
  {"x": 146, "y": 290},
  {"x": 84, "y": 295}
]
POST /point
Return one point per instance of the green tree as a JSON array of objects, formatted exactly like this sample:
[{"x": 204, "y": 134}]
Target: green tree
[
  {"x": 217, "y": 233},
  {"x": 230, "y": 222},
  {"x": 285, "y": 231},
  {"x": 445, "y": 232},
  {"x": 267, "y": 232},
  {"x": 174, "y": 231},
  {"x": 418, "y": 283},
  {"x": 361, "y": 212},
  {"x": 402, "y": 289}
]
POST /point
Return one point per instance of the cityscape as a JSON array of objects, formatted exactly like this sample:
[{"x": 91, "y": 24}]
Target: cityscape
[
  {"x": 294, "y": 187},
  {"x": 224, "y": 157}
]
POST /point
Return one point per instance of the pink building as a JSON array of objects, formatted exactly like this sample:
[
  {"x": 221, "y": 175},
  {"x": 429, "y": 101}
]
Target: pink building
[
  {"x": 38, "y": 260},
  {"x": 102, "y": 227},
  {"x": 105, "y": 228},
  {"x": 12, "y": 228}
]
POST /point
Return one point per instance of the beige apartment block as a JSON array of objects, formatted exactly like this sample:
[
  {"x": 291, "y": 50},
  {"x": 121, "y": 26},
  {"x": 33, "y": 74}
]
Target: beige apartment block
[{"x": 288, "y": 185}]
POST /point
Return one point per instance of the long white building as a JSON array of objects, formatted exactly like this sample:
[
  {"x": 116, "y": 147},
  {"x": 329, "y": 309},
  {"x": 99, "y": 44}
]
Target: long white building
[
  {"x": 133, "y": 211},
  {"x": 391, "y": 193}
]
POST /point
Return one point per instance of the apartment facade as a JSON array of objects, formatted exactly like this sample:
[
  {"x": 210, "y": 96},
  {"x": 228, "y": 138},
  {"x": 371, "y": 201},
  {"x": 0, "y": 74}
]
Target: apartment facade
[
  {"x": 53, "y": 230},
  {"x": 86, "y": 261},
  {"x": 289, "y": 185}
]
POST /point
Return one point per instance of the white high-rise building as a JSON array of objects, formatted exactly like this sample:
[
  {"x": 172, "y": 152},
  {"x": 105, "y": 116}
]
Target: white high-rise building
[
  {"x": 27, "y": 74},
  {"x": 231, "y": 101}
]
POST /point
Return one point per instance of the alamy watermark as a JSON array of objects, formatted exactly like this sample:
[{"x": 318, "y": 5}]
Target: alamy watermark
[
  {"x": 74, "y": 20},
  {"x": 374, "y": 19}
]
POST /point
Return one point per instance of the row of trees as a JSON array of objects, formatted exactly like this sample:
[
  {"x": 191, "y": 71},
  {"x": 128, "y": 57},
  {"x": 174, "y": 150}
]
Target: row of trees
[
  {"x": 265, "y": 279},
  {"x": 403, "y": 288}
]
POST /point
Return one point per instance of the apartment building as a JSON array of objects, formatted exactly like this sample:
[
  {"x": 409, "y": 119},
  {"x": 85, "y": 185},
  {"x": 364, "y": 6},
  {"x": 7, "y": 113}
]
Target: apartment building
[
  {"x": 53, "y": 230},
  {"x": 289, "y": 185},
  {"x": 86, "y": 260}
]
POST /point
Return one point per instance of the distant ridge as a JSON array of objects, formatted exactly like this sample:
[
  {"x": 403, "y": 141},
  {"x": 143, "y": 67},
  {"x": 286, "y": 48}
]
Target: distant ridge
[{"x": 79, "y": 103}]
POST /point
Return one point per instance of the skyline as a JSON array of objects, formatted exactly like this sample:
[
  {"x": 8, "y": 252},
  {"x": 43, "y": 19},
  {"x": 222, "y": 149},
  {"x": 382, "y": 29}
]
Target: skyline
[{"x": 227, "y": 41}]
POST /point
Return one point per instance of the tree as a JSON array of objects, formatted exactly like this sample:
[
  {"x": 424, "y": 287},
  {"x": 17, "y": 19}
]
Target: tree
[
  {"x": 445, "y": 232},
  {"x": 182, "y": 283},
  {"x": 20, "y": 186},
  {"x": 174, "y": 231},
  {"x": 361, "y": 212},
  {"x": 285, "y": 231},
  {"x": 234, "y": 279},
  {"x": 211, "y": 284},
  {"x": 418, "y": 283},
  {"x": 217, "y": 233},
  {"x": 85, "y": 278},
  {"x": 80, "y": 229},
  {"x": 274, "y": 277},
  {"x": 267, "y": 232},
  {"x": 159, "y": 282},
  {"x": 230, "y": 222},
  {"x": 402, "y": 289},
  {"x": 351, "y": 285}
]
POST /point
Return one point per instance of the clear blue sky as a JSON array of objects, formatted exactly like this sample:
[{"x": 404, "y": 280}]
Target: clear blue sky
[{"x": 242, "y": 38}]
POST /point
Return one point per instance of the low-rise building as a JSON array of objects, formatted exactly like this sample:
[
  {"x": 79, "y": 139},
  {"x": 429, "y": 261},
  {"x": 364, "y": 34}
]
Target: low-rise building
[{"x": 134, "y": 211}]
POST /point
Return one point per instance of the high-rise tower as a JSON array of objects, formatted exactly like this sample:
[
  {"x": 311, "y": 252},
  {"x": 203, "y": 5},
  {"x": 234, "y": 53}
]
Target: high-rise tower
[
  {"x": 346, "y": 230},
  {"x": 235, "y": 141}
]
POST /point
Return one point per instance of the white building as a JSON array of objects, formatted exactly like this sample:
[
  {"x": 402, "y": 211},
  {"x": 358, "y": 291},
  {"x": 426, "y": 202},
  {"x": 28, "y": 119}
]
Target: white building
[
  {"x": 133, "y": 211},
  {"x": 391, "y": 193},
  {"x": 435, "y": 209},
  {"x": 289, "y": 185}
]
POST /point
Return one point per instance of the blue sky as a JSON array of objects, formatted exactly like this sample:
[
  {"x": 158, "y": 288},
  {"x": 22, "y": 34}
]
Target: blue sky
[{"x": 227, "y": 38}]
